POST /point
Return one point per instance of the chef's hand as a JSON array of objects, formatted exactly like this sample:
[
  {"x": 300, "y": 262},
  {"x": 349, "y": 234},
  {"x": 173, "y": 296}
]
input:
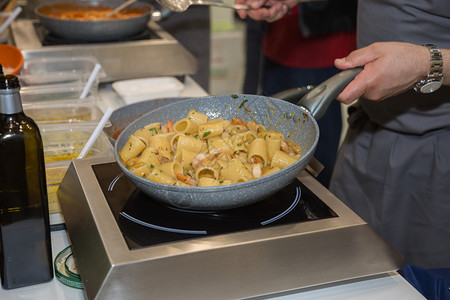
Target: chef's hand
[
  {"x": 265, "y": 10},
  {"x": 389, "y": 69}
]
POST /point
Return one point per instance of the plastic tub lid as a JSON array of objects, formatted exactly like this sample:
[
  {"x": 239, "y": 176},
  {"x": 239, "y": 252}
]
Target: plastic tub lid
[{"x": 136, "y": 90}]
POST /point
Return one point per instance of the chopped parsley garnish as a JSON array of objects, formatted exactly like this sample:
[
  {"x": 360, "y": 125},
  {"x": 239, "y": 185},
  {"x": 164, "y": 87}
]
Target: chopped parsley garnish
[
  {"x": 242, "y": 103},
  {"x": 206, "y": 133}
]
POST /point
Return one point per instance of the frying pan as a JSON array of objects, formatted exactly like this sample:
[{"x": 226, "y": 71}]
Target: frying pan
[
  {"x": 296, "y": 122},
  {"x": 94, "y": 31},
  {"x": 123, "y": 116}
]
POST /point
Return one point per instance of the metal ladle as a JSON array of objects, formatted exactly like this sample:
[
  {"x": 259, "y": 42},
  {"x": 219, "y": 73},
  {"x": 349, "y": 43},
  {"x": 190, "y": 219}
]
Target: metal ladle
[{"x": 183, "y": 5}]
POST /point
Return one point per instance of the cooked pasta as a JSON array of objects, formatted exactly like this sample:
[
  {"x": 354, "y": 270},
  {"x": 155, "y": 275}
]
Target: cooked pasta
[{"x": 197, "y": 151}]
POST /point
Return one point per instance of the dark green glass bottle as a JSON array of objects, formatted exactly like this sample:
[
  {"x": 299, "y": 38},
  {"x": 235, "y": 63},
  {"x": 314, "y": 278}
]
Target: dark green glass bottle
[{"x": 25, "y": 245}]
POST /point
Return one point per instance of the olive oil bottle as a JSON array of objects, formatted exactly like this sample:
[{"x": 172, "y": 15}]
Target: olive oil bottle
[{"x": 25, "y": 245}]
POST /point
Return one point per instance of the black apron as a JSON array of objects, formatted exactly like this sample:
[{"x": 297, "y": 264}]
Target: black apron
[{"x": 393, "y": 168}]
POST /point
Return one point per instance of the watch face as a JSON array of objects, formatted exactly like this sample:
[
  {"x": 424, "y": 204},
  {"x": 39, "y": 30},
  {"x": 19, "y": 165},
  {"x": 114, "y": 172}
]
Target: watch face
[{"x": 430, "y": 87}]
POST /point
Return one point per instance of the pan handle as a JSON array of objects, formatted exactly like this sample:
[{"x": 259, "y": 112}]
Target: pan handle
[
  {"x": 318, "y": 99},
  {"x": 293, "y": 95}
]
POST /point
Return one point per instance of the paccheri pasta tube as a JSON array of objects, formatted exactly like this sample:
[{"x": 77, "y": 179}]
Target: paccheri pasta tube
[{"x": 197, "y": 151}]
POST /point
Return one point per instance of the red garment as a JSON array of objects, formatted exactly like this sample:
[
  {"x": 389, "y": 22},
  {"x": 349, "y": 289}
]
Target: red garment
[{"x": 284, "y": 44}]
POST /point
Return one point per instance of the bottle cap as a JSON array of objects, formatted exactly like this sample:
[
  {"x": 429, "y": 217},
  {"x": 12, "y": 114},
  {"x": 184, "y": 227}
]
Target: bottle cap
[
  {"x": 66, "y": 270},
  {"x": 9, "y": 82}
]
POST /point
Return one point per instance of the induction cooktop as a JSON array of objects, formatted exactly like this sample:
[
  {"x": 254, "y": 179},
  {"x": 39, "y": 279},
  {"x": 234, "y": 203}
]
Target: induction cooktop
[
  {"x": 144, "y": 221},
  {"x": 128, "y": 244}
]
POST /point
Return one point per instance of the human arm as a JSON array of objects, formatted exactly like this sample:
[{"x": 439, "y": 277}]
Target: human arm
[
  {"x": 267, "y": 10},
  {"x": 390, "y": 68}
]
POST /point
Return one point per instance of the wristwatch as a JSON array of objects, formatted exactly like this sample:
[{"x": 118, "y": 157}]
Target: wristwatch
[{"x": 435, "y": 78}]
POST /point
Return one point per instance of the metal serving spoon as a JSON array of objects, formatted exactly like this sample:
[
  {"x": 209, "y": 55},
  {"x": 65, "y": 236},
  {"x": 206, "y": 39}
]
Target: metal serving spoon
[
  {"x": 183, "y": 5},
  {"x": 120, "y": 7}
]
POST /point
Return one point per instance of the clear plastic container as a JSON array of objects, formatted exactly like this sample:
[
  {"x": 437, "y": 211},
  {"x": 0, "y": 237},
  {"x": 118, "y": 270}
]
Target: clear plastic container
[
  {"x": 62, "y": 143},
  {"x": 56, "y": 112},
  {"x": 50, "y": 79},
  {"x": 55, "y": 92},
  {"x": 54, "y": 174},
  {"x": 44, "y": 66},
  {"x": 33, "y": 80}
]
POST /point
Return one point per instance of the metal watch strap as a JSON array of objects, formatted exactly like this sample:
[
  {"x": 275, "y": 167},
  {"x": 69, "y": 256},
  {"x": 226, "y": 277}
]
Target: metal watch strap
[
  {"x": 435, "y": 76},
  {"x": 436, "y": 64}
]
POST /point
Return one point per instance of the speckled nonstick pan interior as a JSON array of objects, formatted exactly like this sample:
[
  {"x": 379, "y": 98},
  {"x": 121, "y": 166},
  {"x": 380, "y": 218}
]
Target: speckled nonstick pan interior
[
  {"x": 123, "y": 116},
  {"x": 296, "y": 122}
]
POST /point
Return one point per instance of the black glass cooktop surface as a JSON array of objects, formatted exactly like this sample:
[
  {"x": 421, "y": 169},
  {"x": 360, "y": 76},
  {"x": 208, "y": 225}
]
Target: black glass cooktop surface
[{"x": 144, "y": 221}]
